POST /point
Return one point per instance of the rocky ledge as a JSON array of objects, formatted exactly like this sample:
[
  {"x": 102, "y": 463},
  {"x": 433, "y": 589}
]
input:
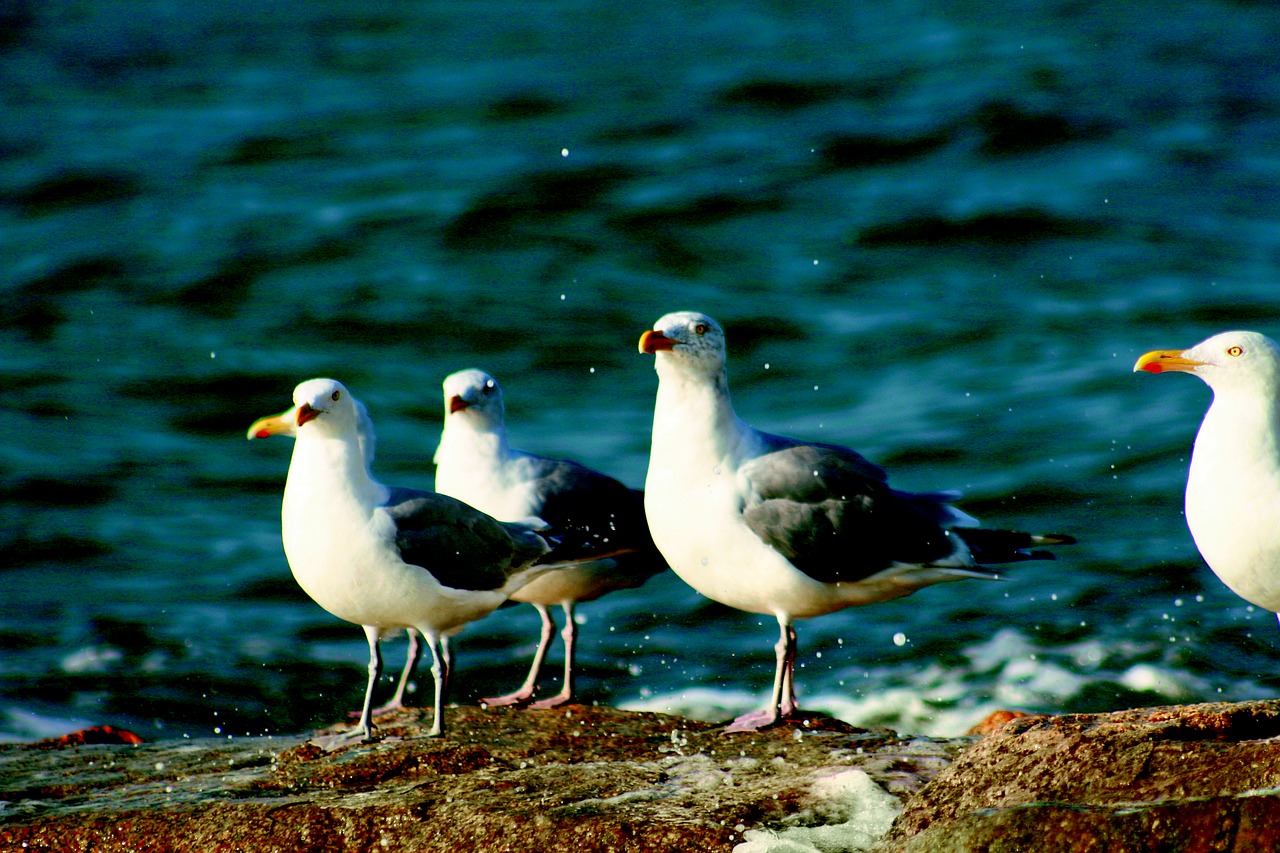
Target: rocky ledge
[
  {"x": 1189, "y": 778},
  {"x": 1203, "y": 777}
]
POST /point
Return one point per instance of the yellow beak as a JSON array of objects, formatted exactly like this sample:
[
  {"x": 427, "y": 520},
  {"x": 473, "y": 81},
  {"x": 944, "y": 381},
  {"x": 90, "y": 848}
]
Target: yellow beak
[
  {"x": 281, "y": 424},
  {"x": 1160, "y": 360}
]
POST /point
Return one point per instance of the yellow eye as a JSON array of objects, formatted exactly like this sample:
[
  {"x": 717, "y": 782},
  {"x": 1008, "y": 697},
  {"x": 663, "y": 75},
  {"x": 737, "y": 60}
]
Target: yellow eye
[
  {"x": 335, "y": 396},
  {"x": 1236, "y": 351},
  {"x": 701, "y": 328}
]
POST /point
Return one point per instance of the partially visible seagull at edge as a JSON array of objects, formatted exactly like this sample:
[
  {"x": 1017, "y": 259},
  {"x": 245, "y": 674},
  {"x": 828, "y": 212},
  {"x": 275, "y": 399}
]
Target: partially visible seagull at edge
[
  {"x": 388, "y": 558},
  {"x": 286, "y": 423},
  {"x": 1233, "y": 485},
  {"x": 476, "y": 464},
  {"x": 783, "y": 527}
]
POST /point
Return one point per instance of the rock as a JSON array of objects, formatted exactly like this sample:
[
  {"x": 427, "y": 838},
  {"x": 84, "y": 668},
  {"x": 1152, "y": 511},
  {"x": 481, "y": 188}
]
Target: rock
[
  {"x": 1189, "y": 778},
  {"x": 575, "y": 778}
]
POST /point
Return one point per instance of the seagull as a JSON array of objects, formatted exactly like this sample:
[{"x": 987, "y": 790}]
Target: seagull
[
  {"x": 386, "y": 558},
  {"x": 475, "y": 463},
  {"x": 783, "y": 527},
  {"x": 1233, "y": 486},
  {"x": 286, "y": 423}
]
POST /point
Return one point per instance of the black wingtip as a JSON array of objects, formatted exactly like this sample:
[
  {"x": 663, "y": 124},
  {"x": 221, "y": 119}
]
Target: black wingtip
[{"x": 576, "y": 546}]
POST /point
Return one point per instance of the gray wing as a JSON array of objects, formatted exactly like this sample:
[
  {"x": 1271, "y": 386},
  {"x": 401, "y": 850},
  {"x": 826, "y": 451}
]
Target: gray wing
[
  {"x": 831, "y": 513},
  {"x": 605, "y": 516},
  {"x": 459, "y": 545}
]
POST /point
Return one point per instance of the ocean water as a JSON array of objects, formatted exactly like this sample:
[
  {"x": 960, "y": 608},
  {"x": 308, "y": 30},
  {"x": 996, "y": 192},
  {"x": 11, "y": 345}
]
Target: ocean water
[{"x": 939, "y": 232}]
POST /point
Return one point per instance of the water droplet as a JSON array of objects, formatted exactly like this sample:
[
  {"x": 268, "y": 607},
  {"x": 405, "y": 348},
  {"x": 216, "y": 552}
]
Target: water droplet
[{"x": 899, "y": 639}]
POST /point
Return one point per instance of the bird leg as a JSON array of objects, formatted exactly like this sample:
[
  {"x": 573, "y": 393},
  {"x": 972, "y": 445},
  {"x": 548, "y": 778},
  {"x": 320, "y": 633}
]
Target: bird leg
[
  {"x": 526, "y": 690},
  {"x": 440, "y": 675},
  {"x": 783, "y": 701},
  {"x": 788, "y": 704},
  {"x": 372, "y": 634},
  {"x": 363, "y": 732},
  {"x": 570, "y": 636},
  {"x": 415, "y": 653}
]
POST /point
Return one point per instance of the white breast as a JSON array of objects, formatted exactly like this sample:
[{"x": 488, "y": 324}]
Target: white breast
[{"x": 1233, "y": 499}]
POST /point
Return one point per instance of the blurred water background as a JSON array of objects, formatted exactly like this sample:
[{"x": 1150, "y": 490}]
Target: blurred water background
[{"x": 939, "y": 232}]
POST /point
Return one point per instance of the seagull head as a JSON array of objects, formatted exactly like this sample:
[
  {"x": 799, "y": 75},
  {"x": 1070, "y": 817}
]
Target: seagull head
[
  {"x": 687, "y": 338},
  {"x": 474, "y": 395},
  {"x": 286, "y": 423},
  {"x": 1232, "y": 360},
  {"x": 327, "y": 404}
]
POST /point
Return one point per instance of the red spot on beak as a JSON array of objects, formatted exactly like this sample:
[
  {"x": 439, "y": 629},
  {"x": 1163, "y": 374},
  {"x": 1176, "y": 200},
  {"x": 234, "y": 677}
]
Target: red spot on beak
[
  {"x": 457, "y": 404},
  {"x": 306, "y": 413},
  {"x": 1153, "y": 367}
]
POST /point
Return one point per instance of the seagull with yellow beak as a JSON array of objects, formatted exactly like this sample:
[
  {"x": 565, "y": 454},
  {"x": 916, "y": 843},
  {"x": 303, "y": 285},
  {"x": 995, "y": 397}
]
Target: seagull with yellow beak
[{"x": 1233, "y": 487}]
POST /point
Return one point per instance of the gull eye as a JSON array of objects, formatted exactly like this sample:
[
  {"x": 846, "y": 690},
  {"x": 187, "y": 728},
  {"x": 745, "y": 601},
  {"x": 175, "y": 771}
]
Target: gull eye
[
  {"x": 489, "y": 386},
  {"x": 1235, "y": 351},
  {"x": 701, "y": 328},
  {"x": 335, "y": 396}
]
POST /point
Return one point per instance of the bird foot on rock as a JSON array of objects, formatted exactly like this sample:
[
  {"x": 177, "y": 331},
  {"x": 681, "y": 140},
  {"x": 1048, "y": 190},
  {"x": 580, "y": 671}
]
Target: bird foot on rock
[
  {"x": 551, "y": 701},
  {"x": 331, "y": 742},
  {"x": 753, "y": 722},
  {"x": 520, "y": 697},
  {"x": 767, "y": 718}
]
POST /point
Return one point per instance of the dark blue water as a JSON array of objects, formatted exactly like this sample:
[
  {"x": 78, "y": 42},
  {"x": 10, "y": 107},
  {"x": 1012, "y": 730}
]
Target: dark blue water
[{"x": 937, "y": 232}]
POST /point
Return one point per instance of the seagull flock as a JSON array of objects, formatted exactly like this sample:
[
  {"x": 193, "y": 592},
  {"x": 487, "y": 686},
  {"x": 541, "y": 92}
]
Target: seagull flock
[{"x": 762, "y": 523}]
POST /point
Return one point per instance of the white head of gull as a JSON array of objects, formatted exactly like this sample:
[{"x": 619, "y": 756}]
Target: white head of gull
[
  {"x": 286, "y": 423},
  {"x": 388, "y": 558},
  {"x": 784, "y": 527},
  {"x": 476, "y": 464},
  {"x": 1233, "y": 486}
]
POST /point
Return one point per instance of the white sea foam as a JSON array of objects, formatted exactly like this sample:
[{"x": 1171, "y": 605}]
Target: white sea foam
[
  {"x": 844, "y": 813},
  {"x": 1008, "y": 671}
]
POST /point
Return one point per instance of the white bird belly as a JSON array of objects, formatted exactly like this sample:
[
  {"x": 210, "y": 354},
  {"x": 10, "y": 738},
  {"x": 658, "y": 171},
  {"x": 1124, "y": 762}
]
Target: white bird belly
[
  {"x": 1240, "y": 540},
  {"x": 1233, "y": 512},
  {"x": 352, "y": 571},
  {"x": 700, "y": 531}
]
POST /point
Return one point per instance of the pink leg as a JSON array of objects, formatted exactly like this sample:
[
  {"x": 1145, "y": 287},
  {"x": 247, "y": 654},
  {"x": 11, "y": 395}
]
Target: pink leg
[
  {"x": 789, "y": 705},
  {"x": 415, "y": 652},
  {"x": 526, "y": 690},
  {"x": 783, "y": 701},
  {"x": 570, "y": 636}
]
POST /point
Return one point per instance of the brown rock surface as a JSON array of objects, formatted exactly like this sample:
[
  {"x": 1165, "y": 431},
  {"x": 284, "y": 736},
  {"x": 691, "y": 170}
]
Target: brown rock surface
[
  {"x": 1189, "y": 778},
  {"x": 576, "y": 778},
  {"x": 1192, "y": 778}
]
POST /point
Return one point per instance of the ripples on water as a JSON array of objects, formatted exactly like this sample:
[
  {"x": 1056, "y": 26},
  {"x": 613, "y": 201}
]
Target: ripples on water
[{"x": 940, "y": 233}]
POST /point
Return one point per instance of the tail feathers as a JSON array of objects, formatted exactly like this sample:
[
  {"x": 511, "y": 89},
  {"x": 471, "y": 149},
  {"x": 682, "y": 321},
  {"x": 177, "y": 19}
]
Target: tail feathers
[{"x": 1008, "y": 546}]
